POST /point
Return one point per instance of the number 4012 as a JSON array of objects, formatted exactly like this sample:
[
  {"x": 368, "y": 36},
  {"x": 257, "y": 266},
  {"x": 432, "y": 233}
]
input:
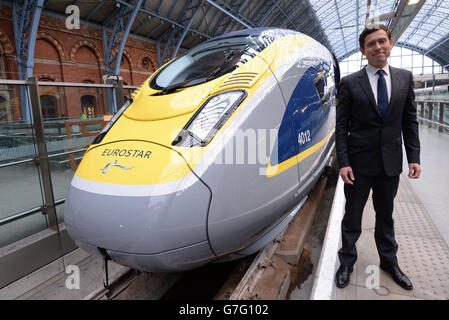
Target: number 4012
[{"x": 304, "y": 137}]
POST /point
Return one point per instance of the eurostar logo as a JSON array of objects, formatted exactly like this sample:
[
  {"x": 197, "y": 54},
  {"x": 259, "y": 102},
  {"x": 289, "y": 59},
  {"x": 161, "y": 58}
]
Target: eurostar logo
[{"x": 113, "y": 164}]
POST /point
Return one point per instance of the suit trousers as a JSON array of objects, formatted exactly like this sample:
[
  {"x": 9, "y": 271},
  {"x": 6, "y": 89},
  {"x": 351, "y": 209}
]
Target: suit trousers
[{"x": 384, "y": 191}]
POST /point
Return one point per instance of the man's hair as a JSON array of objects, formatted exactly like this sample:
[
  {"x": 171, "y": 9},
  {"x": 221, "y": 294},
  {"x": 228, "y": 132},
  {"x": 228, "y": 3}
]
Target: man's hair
[{"x": 370, "y": 29}]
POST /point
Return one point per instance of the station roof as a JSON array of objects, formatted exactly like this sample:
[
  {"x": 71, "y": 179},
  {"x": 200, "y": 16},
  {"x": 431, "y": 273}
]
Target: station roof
[{"x": 420, "y": 25}]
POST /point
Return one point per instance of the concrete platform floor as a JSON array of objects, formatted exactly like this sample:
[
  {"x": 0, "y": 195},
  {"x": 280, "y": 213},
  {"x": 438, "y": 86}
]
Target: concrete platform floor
[
  {"x": 423, "y": 255},
  {"x": 432, "y": 188}
]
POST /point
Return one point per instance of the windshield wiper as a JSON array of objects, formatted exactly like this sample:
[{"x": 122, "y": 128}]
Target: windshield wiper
[
  {"x": 172, "y": 88},
  {"x": 228, "y": 58}
]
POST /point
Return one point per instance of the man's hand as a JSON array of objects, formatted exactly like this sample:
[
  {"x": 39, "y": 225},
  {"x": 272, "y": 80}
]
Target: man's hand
[
  {"x": 347, "y": 175},
  {"x": 414, "y": 170}
]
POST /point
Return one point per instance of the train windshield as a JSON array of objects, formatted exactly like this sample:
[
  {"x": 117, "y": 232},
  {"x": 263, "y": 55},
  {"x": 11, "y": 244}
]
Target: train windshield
[{"x": 208, "y": 61}]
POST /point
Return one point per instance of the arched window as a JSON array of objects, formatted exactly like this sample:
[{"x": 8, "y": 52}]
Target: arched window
[
  {"x": 2, "y": 67},
  {"x": 147, "y": 65},
  {"x": 49, "y": 106},
  {"x": 88, "y": 105},
  {"x": 4, "y": 94},
  {"x": 3, "y": 109}
]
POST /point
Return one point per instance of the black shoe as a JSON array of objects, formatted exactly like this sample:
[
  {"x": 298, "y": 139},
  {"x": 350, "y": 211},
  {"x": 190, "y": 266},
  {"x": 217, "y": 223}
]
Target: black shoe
[
  {"x": 398, "y": 276},
  {"x": 342, "y": 276}
]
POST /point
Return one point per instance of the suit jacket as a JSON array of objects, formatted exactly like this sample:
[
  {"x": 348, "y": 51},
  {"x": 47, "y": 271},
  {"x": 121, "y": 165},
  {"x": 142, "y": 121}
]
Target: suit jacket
[{"x": 367, "y": 142}]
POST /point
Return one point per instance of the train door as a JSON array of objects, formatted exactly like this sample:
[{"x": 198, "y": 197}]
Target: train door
[{"x": 313, "y": 127}]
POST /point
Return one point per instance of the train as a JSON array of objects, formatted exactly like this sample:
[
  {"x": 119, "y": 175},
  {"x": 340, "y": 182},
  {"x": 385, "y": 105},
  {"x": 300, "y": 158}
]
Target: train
[{"x": 211, "y": 156}]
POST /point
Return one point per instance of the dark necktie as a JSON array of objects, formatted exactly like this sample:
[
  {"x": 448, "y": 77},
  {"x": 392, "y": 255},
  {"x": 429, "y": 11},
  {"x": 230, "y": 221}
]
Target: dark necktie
[{"x": 382, "y": 93}]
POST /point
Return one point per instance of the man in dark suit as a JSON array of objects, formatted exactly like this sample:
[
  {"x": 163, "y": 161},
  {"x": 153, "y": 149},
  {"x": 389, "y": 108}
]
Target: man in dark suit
[{"x": 376, "y": 105}]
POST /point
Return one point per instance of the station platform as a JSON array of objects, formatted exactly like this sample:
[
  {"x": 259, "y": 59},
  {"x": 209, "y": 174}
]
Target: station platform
[
  {"x": 421, "y": 231},
  {"x": 421, "y": 227}
]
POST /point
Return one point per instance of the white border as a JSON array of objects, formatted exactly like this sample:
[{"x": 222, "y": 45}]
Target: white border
[{"x": 324, "y": 279}]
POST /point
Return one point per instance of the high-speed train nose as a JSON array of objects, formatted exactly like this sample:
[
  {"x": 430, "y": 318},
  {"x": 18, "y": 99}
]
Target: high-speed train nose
[{"x": 139, "y": 216}]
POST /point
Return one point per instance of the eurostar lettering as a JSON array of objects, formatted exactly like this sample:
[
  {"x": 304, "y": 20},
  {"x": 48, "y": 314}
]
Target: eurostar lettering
[{"x": 133, "y": 153}]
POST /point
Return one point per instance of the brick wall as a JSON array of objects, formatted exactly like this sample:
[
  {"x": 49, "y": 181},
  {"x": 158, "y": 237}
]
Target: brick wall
[{"x": 71, "y": 56}]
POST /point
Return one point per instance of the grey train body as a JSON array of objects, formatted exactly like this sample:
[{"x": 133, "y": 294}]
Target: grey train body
[{"x": 219, "y": 211}]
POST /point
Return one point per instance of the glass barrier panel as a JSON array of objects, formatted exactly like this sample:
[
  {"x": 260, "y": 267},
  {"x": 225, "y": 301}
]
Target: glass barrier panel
[
  {"x": 436, "y": 112},
  {"x": 60, "y": 212},
  {"x": 20, "y": 189},
  {"x": 445, "y": 107},
  {"x": 70, "y": 134},
  {"x": 62, "y": 174},
  {"x": 72, "y": 117},
  {"x": 426, "y": 111},
  {"x": 20, "y": 184},
  {"x": 22, "y": 228}
]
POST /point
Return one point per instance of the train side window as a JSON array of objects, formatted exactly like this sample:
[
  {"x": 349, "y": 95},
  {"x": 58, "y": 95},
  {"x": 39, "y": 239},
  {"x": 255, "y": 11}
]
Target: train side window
[
  {"x": 320, "y": 86},
  {"x": 325, "y": 87}
]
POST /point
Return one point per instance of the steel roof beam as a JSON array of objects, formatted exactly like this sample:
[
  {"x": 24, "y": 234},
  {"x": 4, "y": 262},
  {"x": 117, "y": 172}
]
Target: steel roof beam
[
  {"x": 157, "y": 15},
  {"x": 341, "y": 29},
  {"x": 186, "y": 29},
  {"x": 231, "y": 23},
  {"x": 172, "y": 32},
  {"x": 98, "y": 6},
  {"x": 142, "y": 25},
  {"x": 125, "y": 35},
  {"x": 268, "y": 13},
  {"x": 26, "y": 19},
  {"x": 258, "y": 10},
  {"x": 173, "y": 8},
  {"x": 216, "y": 15},
  {"x": 311, "y": 18},
  {"x": 224, "y": 25},
  {"x": 228, "y": 13},
  {"x": 95, "y": 24},
  {"x": 113, "y": 45},
  {"x": 282, "y": 12},
  {"x": 231, "y": 9},
  {"x": 218, "y": 24},
  {"x": 404, "y": 16},
  {"x": 167, "y": 46},
  {"x": 436, "y": 45},
  {"x": 240, "y": 8},
  {"x": 204, "y": 20},
  {"x": 155, "y": 30},
  {"x": 293, "y": 13},
  {"x": 277, "y": 20}
]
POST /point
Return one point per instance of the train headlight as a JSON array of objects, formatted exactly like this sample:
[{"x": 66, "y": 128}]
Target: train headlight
[
  {"x": 111, "y": 122},
  {"x": 203, "y": 126}
]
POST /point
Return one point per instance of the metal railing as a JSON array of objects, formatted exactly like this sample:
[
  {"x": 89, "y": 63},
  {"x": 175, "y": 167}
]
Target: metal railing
[
  {"x": 41, "y": 157},
  {"x": 426, "y": 113}
]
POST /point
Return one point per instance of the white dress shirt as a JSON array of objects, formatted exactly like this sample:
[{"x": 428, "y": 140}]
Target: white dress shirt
[{"x": 373, "y": 77}]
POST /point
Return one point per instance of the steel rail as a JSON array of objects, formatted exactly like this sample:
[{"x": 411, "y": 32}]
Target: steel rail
[
  {"x": 27, "y": 213},
  {"x": 32, "y": 159}
]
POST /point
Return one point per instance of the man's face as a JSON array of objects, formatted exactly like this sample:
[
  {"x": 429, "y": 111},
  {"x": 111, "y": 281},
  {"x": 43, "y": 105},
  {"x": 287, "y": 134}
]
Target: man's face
[{"x": 377, "y": 48}]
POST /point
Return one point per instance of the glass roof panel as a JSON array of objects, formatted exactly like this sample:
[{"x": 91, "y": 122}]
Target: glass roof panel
[
  {"x": 343, "y": 21},
  {"x": 429, "y": 26}
]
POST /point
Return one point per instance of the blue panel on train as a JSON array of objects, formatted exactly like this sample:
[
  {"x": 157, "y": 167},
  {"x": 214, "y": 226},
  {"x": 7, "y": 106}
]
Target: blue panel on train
[{"x": 300, "y": 118}]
